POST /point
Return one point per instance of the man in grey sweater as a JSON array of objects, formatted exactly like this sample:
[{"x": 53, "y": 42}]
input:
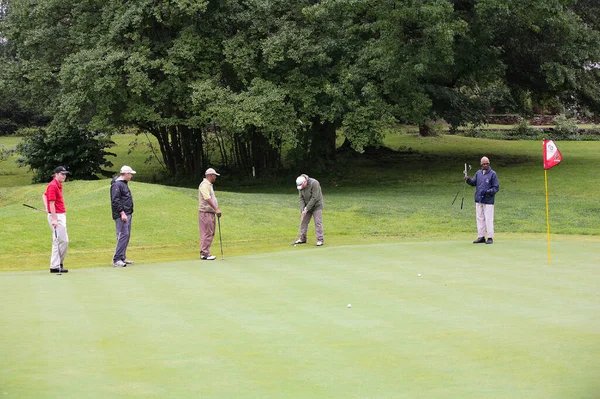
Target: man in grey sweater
[{"x": 311, "y": 205}]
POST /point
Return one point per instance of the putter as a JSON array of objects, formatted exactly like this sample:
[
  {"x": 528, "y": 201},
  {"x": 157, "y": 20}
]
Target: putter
[
  {"x": 59, "y": 254},
  {"x": 220, "y": 239},
  {"x": 299, "y": 232}
]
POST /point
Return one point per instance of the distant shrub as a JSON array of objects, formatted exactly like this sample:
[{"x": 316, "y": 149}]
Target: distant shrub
[
  {"x": 523, "y": 131},
  {"x": 565, "y": 127},
  {"x": 6, "y": 153},
  {"x": 471, "y": 131}
]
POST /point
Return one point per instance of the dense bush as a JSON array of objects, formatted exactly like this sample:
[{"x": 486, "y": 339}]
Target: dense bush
[{"x": 81, "y": 152}]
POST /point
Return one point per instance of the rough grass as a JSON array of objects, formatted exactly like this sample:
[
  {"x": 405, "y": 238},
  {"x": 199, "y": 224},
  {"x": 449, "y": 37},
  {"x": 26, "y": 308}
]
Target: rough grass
[{"x": 383, "y": 195}]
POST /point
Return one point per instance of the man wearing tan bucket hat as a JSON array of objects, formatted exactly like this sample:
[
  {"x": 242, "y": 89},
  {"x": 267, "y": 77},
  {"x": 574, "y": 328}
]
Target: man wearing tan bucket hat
[{"x": 207, "y": 210}]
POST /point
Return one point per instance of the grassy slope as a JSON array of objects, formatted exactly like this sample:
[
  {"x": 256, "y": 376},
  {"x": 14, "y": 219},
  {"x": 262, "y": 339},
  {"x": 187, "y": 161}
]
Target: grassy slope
[{"x": 387, "y": 197}]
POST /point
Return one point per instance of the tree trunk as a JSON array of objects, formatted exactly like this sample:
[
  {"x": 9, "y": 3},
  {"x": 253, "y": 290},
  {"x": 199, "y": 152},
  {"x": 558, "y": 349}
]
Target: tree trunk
[
  {"x": 425, "y": 130},
  {"x": 321, "y": 155},
  {"x": 182, "y": 149},
  {"x": 265, "y": 156}
]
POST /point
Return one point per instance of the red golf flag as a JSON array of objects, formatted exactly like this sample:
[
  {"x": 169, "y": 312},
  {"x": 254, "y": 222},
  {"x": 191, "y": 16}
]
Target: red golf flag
[{"x": 552, "y": 156}]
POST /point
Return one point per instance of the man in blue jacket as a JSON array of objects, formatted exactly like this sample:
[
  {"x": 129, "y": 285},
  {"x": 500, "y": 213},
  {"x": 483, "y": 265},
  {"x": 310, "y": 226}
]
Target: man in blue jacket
[{"x": 487, "y": 185}]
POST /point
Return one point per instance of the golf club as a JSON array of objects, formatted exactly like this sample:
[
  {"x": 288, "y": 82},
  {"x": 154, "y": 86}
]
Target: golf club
[
  {"x": 299, "y": 232},
  {"x": 466, "y": 172},
  {"x": 59, "y": 253},
  {"x": 220, "y": 238},
  {"x": 455, "y": 197},
  {"x": 461, "y": 186},
  {"x": 34, "y": 208}
]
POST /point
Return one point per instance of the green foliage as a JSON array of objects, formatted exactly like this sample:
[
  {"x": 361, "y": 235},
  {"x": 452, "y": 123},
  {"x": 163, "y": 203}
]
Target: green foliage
[
  {"x": 83, "y": 153},
  {"x": 6, "y": 153},
  {"x": 15, "y": 113},
  {"x": 565, "y": 127},
  {"x": 350, "y": 65},
  {"x": 523, "y": 130},
  {"x": 545, "y": 48}
]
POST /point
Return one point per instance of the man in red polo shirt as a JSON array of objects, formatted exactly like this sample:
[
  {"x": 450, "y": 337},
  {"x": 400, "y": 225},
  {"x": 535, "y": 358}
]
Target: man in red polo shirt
[{"x": 57, "y": 219}]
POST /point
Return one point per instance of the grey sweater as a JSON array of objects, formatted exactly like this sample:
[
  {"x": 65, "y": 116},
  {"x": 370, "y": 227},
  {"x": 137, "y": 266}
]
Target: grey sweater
[{"x": 311, "y": 197}]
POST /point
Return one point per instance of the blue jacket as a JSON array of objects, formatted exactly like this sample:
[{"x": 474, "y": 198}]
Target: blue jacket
[{"x": 487, "y": 186}]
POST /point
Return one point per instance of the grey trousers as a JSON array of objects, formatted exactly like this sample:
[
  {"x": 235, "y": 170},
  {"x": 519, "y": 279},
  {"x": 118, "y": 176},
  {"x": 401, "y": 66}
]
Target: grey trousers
[
  {"x": 123, "y": 233},
  {"x": 318, "y": 218}
]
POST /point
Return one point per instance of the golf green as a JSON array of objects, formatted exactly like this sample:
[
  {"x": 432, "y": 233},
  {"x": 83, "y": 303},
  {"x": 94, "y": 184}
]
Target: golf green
[{"x": 440, "y": 319}]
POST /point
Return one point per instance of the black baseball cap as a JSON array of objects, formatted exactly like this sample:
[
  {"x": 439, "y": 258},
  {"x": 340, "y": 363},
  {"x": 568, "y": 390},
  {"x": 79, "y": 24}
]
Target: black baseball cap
[{"x": 61, "y": 169}]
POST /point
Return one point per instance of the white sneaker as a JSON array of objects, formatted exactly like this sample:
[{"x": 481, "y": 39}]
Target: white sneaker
[
  {"x": 119, "y": 263},
  {"x": 209, "y": 257},
  {"x": 128, "y": 262},
  {"x": 319, "y": 243}
]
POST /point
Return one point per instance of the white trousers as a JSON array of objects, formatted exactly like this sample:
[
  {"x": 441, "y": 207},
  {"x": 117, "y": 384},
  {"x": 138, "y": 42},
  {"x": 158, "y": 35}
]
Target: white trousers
[
  {"x": 485, "y": 219},
  {"x": 60, "y": 240}
]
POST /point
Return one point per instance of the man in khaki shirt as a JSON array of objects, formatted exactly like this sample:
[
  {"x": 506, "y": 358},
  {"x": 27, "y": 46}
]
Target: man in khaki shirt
[{"x": 207, "y": 209}]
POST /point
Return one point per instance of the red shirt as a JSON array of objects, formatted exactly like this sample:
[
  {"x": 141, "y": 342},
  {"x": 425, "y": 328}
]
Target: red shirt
[{"x": 54, "y": 193}]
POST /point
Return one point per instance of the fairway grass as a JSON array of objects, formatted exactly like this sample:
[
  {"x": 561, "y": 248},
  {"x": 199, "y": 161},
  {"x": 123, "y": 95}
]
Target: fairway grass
[{"x": 482, "y": 321}]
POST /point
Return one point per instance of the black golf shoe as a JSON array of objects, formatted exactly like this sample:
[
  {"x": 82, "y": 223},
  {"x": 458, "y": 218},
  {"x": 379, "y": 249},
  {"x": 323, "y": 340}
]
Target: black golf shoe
[
  {"x": 479, "y": 240},
  {"x": 490, "y": 241},
  {"x": 59, "y": 270}
]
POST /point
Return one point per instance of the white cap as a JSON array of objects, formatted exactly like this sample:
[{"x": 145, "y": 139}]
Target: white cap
[
  {"x": 300, "y": 182},
  {"x": 127, "y": 169},
  {"x": 211, "y": 171}
]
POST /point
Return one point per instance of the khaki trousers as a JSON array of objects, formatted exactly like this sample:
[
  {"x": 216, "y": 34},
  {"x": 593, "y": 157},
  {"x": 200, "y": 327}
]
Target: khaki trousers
[
  {"x": 60, "y": 240},
  {"x": 318, "y": 218},
  {"x": 485, "y": 219},
  {"x": 206, "y": 226}
]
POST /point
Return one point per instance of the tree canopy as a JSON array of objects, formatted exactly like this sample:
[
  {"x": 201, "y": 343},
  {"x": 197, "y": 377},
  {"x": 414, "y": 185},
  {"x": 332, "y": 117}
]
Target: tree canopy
[{"x": 239, "y": 81}]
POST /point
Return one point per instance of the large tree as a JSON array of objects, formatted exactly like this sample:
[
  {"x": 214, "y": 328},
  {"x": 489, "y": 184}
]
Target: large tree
[
  {"x": 545, "y": 47},
  {"x": 101, "y": 65},
  {"x": 241, "y": 80}
]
